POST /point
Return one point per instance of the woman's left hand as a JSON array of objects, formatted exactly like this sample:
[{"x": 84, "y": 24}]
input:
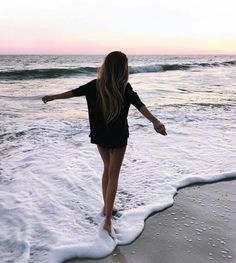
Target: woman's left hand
[{"x": 159, "y": 127}]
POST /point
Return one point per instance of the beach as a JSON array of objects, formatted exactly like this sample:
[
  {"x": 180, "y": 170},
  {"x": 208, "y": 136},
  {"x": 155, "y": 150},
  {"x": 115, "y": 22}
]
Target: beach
[
  {"x": 50, "y": 173},
  {"x": 199, "y": 227}
]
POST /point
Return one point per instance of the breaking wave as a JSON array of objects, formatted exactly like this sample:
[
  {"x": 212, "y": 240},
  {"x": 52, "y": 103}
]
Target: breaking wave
[{"x": 48, "y": 73}]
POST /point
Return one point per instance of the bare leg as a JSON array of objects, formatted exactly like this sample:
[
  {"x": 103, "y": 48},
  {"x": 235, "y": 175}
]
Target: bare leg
[
  {"x": 105, "y": 157},
  {"x": 115, "y": 162},
  {"x": 104, "y": 187}
]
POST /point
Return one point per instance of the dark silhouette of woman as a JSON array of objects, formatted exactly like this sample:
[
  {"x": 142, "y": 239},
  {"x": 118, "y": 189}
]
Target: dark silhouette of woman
[{"x": 109, "y": 98}]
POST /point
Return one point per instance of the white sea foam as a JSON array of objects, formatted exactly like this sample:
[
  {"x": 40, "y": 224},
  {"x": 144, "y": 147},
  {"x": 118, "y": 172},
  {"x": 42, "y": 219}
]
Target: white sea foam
[
  {"x": 50, "y": 175},
  {"x": 127, "y": 228}
]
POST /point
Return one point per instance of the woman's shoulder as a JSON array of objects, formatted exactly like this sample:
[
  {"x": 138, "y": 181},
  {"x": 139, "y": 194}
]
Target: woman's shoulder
[
  {"x": 92, "y": 82},
  {"x": 128, "y": 88},
  {"x": 85, "y": 89},
  {"x": 90, "y": 85}
]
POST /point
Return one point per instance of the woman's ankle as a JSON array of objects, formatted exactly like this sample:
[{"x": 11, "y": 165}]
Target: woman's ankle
[
  {"x": 107, "y": 225},
  {"x": 108, "y": 218},
  {"x": 114, "y": 211}
]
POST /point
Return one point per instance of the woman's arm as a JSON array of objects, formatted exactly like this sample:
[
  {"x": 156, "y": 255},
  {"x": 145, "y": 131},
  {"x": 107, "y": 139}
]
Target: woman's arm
[
  {"x": 157, "y": 125},
  {"x": 64, "y": 95}
]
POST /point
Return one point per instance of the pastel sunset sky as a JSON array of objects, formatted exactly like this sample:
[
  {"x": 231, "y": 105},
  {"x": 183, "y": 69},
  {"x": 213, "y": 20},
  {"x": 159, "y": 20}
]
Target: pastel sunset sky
[{"x": 133, "y": 26}]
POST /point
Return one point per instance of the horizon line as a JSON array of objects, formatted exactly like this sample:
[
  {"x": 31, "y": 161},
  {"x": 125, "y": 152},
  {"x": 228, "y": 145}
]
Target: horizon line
[{"x": 99, "y": 54}]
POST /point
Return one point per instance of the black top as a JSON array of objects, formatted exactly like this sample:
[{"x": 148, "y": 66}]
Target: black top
[{"x": 116, "y": 129}]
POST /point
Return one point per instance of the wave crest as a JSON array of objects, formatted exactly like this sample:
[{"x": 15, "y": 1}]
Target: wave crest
[{"x": 48, "y": 73}]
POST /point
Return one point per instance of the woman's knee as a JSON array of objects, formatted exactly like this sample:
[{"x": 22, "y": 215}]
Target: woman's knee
[
  {"x": 106, "y": 169},
  {"x": 114, "y": 174},
  {"x": 116, "y": 158}
]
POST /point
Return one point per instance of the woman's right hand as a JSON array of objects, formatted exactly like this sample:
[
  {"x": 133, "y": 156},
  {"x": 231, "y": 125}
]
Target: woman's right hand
[{"x": 45, "y": 99}]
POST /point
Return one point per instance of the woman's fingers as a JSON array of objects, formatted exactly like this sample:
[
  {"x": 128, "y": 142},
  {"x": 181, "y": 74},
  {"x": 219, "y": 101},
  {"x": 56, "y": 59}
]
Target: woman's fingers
[
  {"x": 160, "y": 128},
  {"x": 163, "y": 130},
  {"x": 44, "y": 100}
]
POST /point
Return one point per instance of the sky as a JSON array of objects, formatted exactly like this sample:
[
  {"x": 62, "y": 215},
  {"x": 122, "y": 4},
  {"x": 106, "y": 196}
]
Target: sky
[{"x": 132, "y": 26}]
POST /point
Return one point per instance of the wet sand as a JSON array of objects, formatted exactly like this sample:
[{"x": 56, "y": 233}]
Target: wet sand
[{"x": 199, "y": 228}]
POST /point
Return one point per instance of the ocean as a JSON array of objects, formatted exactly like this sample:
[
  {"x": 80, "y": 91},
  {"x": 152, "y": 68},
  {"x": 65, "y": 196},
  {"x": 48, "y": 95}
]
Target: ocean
[{"x": 50, "y": 173}]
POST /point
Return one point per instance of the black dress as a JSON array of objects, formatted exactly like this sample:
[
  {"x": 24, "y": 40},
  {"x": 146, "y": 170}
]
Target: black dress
[{"x": 116, "y": 133}]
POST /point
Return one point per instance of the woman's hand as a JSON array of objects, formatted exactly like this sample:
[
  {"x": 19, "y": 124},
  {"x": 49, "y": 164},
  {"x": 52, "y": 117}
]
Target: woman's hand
[
  {"x": 159, "y": 127},
  {"x": 45, "y": 99},
  {"x": 64, "y": 95}
]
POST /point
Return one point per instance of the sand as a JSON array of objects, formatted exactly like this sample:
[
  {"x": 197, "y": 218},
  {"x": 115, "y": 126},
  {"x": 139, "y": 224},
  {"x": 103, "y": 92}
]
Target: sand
[{"x": 199, "y": 228}]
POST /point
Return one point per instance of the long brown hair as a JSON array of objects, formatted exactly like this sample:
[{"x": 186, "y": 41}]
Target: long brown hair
[{"x": 112, "y": 80}]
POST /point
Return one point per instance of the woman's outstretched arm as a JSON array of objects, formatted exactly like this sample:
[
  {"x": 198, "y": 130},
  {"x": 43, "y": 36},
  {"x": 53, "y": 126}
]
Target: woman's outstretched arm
[
  {"x": 64, "y": 95},
  {"x": 157, "y": 125}
]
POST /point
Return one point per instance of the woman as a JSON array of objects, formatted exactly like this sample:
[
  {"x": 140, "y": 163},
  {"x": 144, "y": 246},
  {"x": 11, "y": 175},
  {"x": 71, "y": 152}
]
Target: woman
[{"x": 109, "y": 98}]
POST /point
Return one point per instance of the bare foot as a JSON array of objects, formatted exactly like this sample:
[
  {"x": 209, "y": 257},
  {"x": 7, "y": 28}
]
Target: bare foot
[{"x": 107, "y": 226}]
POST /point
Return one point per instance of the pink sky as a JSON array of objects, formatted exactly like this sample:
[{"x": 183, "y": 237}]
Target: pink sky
[{"x": 136, "y": 27}]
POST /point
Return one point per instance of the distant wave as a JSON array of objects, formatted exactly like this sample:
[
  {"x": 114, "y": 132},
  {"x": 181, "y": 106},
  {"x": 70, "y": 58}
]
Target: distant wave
[
  {"x": 48, "y": 73},
  {"x": 168, "y": 67}
]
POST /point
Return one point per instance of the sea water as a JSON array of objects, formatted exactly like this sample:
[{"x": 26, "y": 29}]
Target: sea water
[{"x": 50, "y": 174}]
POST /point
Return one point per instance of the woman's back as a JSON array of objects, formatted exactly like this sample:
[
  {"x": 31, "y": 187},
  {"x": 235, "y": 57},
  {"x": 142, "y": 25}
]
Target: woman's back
[{"x": 114, "y": 133}]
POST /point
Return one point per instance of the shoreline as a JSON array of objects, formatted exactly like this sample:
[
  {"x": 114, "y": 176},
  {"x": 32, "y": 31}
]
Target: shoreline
[{"x": 198, "y": 227}]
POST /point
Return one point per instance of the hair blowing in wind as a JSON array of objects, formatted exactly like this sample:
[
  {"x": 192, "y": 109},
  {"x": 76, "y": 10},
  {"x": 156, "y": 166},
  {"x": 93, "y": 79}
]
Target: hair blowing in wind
[{"x": 112, "y": 80}]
